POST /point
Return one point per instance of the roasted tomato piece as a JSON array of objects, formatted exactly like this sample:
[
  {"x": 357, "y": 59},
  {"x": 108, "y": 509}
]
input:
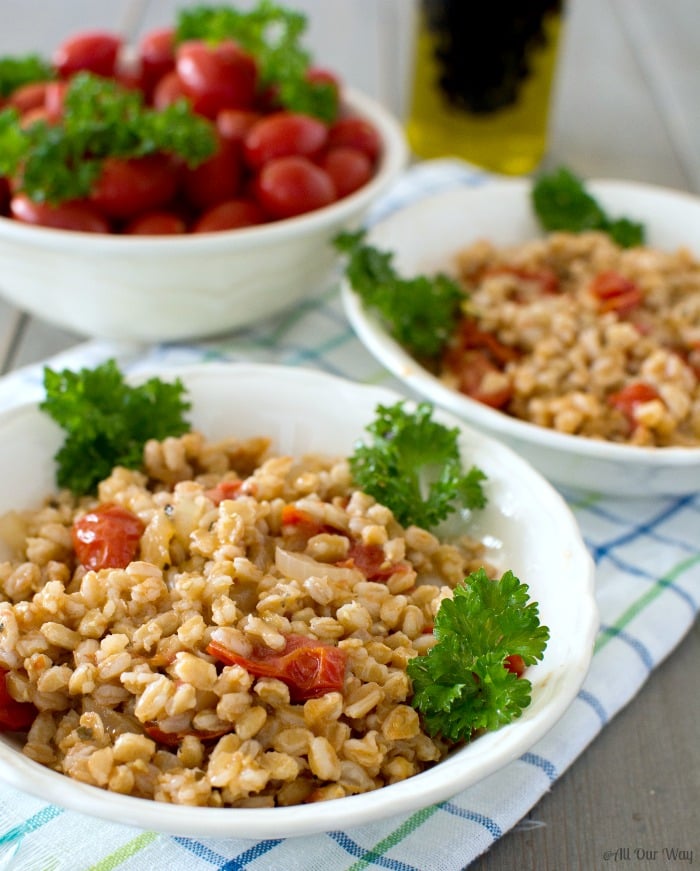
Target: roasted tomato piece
[
  {"x": 371, "y": 560},
  {"x": 308, "y": 667},
  {"x": 515, "y": 664},
  {"x": 477, "y": 359},
  {"x": 14, "y": 716},
  {"x": 630, "y": 397},
  {"x": 107, "y": 537},
  {"x": 616, "y": 293}
]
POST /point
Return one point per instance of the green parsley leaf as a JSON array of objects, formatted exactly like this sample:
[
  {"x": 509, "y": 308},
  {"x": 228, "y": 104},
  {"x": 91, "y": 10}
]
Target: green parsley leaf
[
  {"x": 414, "y": 467},
  {"x": 421, "y": 312},
  {"x": 18, "y": 71},
  {"x": 462, "y": 684},
  {"x": 273, "y": 35},
  {"x": 561, "y": 202},
  {"x": 101, "y": 119},
  {"x": 107, "y": 422}
]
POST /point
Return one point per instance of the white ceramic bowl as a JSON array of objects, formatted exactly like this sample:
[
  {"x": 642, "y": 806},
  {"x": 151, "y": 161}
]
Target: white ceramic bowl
[
  {"x": 165, "y": 288},
  {"x": 527, "y": 527},
  {"x": 425, "y": 236}
]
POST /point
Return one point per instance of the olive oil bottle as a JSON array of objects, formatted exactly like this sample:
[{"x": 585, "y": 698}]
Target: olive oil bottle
[{"x": 482, "y": 81}]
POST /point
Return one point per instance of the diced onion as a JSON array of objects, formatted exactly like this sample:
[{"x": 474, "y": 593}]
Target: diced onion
[{"x": 301, "y": 567}]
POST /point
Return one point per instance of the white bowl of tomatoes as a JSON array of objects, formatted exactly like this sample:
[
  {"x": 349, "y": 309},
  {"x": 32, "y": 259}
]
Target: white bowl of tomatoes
[{"x": 181, "y": 187}]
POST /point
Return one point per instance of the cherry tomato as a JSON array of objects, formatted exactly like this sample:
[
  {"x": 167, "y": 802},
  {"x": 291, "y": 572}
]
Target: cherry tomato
[
  {"x": 54, "y": 99},
  {"x": 127, "y": 187},
  {"x": 4, "y": 195},
  {"x": 616, "y": 293},
  {"x": 356, "y": 133},
  {"x": 71, "y": 215},
  {"x": 94, "y": 51},
  {"x": 156, "y": 52},
  {"x": 292, "y": 186},
  {"x": 630, "y": 397},
  {"x": 167, "y": 91},
  {"x": 215, "y": 180},
  {"x": 234, "y": 124},
  {"x": 217, "y": 77},
  {"x": 230, "y": 215},
  {"x": 282, "y": 134},
  {"x": 308, "y": 667},
  {"x": 26, "y": 97},
  {"x": 107, "y": 537},
  {"x": 349, "y": 169},
  {"x": 160, "y": 223},
  {"x": 14, "y": 716}
]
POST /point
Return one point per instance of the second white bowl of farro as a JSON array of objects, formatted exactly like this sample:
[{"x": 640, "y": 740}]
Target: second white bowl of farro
[
  {"x": 234, "y": 638},
  {"x": 577, "y": 347}
]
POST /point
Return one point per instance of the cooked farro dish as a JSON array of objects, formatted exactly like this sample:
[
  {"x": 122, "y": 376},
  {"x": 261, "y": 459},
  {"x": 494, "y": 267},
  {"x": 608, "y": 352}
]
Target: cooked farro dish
[
  {"x": 223, "y": 627},
  {"x": 573, "y": 332}
]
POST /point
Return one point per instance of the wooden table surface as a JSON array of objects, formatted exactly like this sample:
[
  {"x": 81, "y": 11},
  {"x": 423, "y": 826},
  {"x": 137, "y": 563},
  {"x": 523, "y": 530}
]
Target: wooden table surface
[{"x": 625, "y": 106}]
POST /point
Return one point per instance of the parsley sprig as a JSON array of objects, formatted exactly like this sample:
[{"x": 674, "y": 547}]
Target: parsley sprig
[
  {"x": 421, "y": 312},
  {"x": 23, "y": 70},
  {"x": 273, "y": 35},
  {"x": 107, "y": 422},
  {"x": 413, "y": 466},
  {"x": 462, "y": 685},
  {"x": 561, "y": 202},
  {"x": 101, "y": 119}
]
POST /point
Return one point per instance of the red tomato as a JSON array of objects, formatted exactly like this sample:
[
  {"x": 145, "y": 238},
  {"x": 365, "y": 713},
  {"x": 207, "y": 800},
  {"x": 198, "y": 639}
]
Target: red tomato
[
  {"x": 55, "y": 98},
  {"x": 217, "y": 77},
  {"x": 356, "y": 133},
  {"x": 234, "y": 124},
  {"x": 107, "y": 537},
  {"x": 224, "y": 490},
  {"x": 14, "y": 716},
  {"x": 616, "y": 293},
  {"x": 27, "y": 97},
  {"x": 372, "y": 562},
  {"x": 292, "y": 186},
  {"x": 472, "y": 367},
  {"x": 31, "y": 116},
  {"x": 159, "y": 223},
  {"x": 156, "y": 52},
  {"x": 167, "y": 91},
  {"x": 71, "y": 215},
  {"x": 94, "y": 51},
  {"x": 230, "y": 215},
  {"x": 630, "y": 397},
  {"x": 319, "y": 76},
  {"x": 215, "y": 180},
  {"x": 348, "y": 168},
  {"x": 309, "y": 668},
  {"x": 127, "y": 187},
  {"x": 282, "y": 134},
  {"x": 546, "y": 278},
  {"x": 4, "y": 195},
  {"x": 172, "y": 739}
]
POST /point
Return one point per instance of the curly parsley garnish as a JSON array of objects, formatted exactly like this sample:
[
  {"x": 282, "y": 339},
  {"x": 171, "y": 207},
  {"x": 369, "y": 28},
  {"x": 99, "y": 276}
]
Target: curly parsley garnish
[
  {"x": 421, "y": 312},
  {"x": 56, "y": 162},
  {"x": 273, "y": 35},
  {"x": 414, "y": 467},
  {"x": 463, "y": 684},
  {"x": 18, "y": 71},
  {"x": 561, "y": 202},
  {"x": 107, "y": 422}
]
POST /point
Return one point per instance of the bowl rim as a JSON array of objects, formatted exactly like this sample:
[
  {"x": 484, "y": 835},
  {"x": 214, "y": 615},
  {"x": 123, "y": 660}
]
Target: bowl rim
[
  {"x": 419, "y": 791},
  {"x": 368, "y": 326},
  {"x": 393, "y": 159}
]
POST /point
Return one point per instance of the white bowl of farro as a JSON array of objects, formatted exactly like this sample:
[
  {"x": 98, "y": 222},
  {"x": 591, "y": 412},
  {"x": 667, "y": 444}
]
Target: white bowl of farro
[
  {"x": 119, "y": 667},
  {"x": 580, "y": 354}
]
